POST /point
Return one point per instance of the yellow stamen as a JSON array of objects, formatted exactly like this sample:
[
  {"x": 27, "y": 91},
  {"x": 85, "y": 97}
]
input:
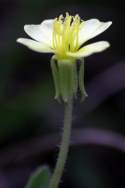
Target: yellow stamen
[{"x": 65, "y": 34}]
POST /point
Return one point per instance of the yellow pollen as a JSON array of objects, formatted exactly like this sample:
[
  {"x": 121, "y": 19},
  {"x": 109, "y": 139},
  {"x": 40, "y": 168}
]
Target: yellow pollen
[{"x": 65, "y": 34}]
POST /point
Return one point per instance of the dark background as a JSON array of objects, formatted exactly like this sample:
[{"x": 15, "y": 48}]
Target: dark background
[{"x": 31, "y": 120}]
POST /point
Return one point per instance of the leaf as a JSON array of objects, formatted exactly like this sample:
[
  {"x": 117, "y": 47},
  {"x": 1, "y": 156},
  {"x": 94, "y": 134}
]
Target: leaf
[{"x": 40, "y": 178}]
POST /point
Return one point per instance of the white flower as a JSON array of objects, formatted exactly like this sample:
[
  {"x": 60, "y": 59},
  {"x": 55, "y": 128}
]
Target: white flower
[{"x": 65, "y": 37}]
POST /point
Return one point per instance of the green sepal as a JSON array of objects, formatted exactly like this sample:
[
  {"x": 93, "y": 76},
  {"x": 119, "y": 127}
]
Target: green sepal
[
  {"x": 67, "y": 79},
  {"x": 63, "y": 80},
  {"x": 81, "y": 81},
  {"x": 40, "y": 178},
  {"x": 55, "y": 76},
  {"x": 75, "y": 79}
]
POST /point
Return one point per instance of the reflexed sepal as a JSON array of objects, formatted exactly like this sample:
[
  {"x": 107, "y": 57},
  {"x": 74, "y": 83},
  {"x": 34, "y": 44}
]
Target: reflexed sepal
[
  {"x": 65, "y": 78},
  {"x": 55, "y": 75},
  {"x": 81, "y": 81}
]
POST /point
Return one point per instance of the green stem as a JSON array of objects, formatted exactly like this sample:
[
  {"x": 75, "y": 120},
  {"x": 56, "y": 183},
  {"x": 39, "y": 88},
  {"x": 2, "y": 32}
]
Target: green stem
[{"x": 55, "y": 180}]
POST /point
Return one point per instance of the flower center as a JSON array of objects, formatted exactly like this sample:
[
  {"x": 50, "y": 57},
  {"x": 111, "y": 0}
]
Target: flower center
[{"x": 65, "y": 34}]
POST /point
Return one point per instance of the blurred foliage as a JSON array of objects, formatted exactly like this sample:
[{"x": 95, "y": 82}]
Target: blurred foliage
[{"x": 40, "y": 178}]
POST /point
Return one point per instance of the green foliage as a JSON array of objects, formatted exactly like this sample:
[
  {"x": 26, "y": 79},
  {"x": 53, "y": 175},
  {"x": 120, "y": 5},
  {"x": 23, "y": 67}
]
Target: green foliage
[{"x": 40, "y": 178}]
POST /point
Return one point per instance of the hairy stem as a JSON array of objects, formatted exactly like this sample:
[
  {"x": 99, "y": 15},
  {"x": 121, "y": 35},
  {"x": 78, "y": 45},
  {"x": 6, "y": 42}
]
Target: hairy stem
[{"x": 55, "y": 180}]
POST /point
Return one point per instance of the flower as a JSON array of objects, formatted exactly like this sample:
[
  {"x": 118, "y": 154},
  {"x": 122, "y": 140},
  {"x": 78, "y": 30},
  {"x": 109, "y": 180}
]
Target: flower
[{"x": 66, "y": 37}]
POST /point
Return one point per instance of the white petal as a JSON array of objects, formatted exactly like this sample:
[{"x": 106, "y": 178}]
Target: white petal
[
  {"x": 35, "y": 46},
  {"x": 92, "y": 28},
  {"x": 41, "y": 32},
  {"x": 90, "y": 49}
]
